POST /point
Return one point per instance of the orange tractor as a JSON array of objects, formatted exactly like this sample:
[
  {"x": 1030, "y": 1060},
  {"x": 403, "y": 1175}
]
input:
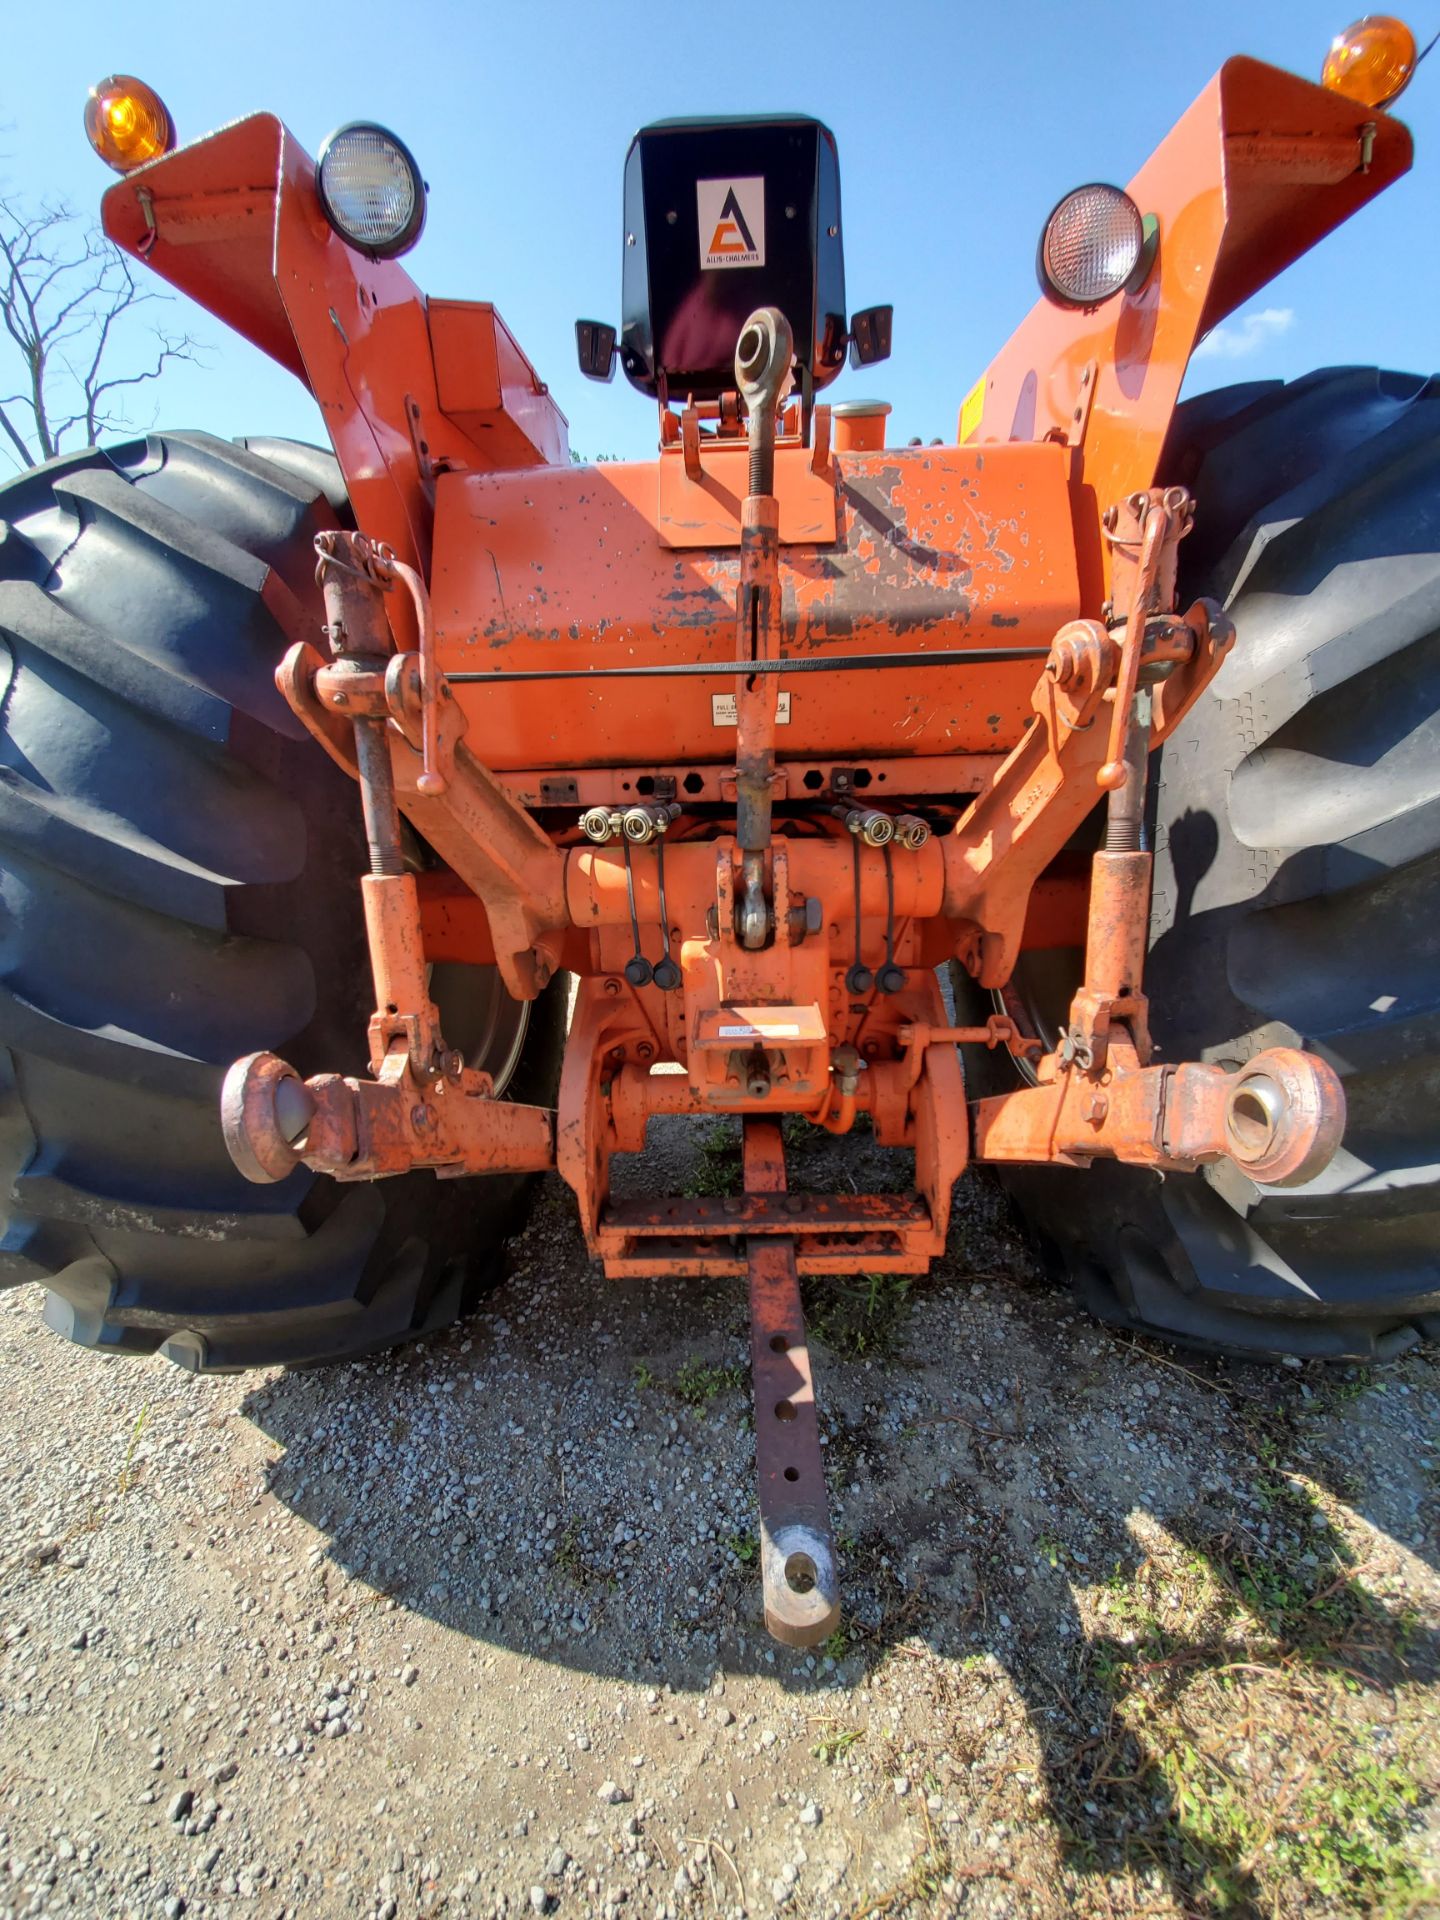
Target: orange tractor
[{"x": 1115, "y": 707}]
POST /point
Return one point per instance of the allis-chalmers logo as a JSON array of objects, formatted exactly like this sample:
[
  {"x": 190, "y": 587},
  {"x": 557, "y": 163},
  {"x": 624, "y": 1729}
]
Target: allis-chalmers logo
[{"x": 732, "y": 223}]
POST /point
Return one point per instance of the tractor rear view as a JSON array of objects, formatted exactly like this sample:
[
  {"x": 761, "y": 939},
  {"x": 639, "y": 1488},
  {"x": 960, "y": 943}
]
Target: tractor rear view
[{"x": 324, "y": 775}]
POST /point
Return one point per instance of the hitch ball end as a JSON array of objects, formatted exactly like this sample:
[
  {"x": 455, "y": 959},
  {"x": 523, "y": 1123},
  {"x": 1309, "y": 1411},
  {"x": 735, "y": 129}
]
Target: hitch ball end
[
  {"x": 764, "y": 356},
  {"x": 265, "y": 1109},
  {"x": 1285, "y": 1117}
]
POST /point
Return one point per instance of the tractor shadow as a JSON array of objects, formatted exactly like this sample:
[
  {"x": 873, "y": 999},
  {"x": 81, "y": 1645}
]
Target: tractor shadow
[{"x": 1088, "y": 1539}]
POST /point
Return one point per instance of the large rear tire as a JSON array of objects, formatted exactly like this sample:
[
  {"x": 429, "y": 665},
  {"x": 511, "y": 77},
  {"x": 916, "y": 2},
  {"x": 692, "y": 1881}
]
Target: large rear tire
[
  {"x": 1297, "y": 882},
  {"x": 178, "y": 886}
]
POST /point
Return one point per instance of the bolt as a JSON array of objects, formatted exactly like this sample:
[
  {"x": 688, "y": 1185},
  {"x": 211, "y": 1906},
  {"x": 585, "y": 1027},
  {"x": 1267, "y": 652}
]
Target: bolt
[
  {"x": 1096, "y": 1108},
  {"x": 644, "y": 1051},
  {"x": 730, "y": 1204},
  {"x": 455, "y": 1064},
  {"x": 340, "y": 699},
  {"x": 612, "y": 987}
]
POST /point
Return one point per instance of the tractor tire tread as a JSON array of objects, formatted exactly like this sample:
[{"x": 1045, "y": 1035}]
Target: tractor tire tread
[{"x": 177, "y": 877}]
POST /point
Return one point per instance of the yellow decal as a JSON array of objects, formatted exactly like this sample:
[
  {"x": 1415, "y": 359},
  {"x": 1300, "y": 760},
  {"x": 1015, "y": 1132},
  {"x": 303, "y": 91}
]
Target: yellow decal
[{"x": 971, "y": 411}]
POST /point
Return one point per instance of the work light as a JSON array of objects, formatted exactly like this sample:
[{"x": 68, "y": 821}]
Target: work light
[
  {"x": 371, "y": 190},
  {"x": 1092, "y": 246}
]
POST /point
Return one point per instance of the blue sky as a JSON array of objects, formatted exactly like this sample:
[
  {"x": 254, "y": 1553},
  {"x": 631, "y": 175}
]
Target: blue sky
[{"x": 958, "y": 126}]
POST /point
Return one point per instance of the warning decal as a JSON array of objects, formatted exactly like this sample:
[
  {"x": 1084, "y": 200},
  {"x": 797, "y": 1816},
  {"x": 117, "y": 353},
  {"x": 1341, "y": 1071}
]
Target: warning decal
[
  {"x": 972, "y": 410},
  {"x": 723, "y": 710},
  {"x": 732, "y": 223}
]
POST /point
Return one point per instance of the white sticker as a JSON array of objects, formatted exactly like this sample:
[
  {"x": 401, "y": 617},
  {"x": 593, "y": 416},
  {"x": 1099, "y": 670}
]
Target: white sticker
[
  {"x": 722, "y": 710},
  {"x": 732, "y": 223},
  {"x": 768, "y": 1032}
]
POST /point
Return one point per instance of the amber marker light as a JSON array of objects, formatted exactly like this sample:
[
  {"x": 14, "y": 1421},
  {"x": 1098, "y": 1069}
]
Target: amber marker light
[
  {"x": 1371, "y": 62},
  {"x": 127, "y": 123}
]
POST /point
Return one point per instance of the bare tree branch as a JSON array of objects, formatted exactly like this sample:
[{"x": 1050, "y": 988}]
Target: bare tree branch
[
  {"x": 68, "y": 303},
  {"x": 27, "y": 458}
]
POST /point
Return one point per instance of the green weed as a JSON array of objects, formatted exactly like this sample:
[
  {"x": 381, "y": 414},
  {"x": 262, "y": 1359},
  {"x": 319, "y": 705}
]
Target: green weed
[
  {"x": 127, "y": 1468},
  {"x": 859, "y": 1317},
  {"x": 837, "y": 1646},
  {"x": 718, "y": 1170},
  {"x": 1348, "y": 1831},
  {"x": 698, "y": 1382},
  {"x": 834, "y": 1746}
]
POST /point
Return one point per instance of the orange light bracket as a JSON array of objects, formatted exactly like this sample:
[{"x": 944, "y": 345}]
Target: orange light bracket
[
  {"x": 127, "y": 123},
  {"x": 1260, "y": 169}
]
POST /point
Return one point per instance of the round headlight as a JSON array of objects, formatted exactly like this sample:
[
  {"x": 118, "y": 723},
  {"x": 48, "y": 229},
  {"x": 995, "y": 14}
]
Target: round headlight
[
  {"x": 371, "y": 190},
  {"x": 1092, "y": 246}
]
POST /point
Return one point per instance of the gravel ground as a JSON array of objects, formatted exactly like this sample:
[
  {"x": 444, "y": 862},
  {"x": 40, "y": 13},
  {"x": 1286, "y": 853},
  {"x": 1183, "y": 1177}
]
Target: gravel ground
[{"x": 475, "y": 1628}]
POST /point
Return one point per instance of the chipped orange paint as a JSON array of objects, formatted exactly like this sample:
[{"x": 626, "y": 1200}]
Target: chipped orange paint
[
  {"x": 938, "y": 548},
  {"x": 705, "y": 512}
]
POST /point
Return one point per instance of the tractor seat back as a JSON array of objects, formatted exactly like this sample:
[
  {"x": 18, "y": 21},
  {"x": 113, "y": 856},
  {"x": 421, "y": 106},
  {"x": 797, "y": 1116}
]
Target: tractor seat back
[{"x": 723, "y": 216}]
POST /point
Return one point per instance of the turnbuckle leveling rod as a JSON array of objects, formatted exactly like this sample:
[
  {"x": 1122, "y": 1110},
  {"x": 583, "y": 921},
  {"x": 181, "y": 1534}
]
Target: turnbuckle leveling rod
[{"x": 764, "y": 356}]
